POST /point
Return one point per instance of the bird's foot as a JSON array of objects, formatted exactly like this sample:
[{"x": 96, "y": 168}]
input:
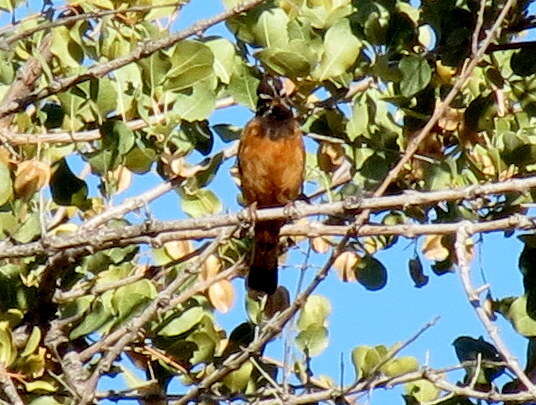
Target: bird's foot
[
  {"x": 248, "y": 216},
  {"x": 292, "y": 210}
]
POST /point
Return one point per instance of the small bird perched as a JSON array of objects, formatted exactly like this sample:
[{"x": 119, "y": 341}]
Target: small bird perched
[{"x": 271, "y": 162}]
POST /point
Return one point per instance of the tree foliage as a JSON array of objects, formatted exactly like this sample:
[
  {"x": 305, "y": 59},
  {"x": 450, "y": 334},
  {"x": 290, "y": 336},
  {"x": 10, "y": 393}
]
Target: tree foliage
[{"x": 420, "y": 121}]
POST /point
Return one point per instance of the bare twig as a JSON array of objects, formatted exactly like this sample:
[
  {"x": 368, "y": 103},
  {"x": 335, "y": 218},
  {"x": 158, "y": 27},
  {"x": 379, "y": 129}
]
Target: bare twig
[
  {"x": 134, "y": 326},
  {"x": 197, "y": 288},
  {"x": 9, "y": 387},
  {"x": 462, "y": 236},
  {"x": 141, "y": 51},
  {"x": 93, "y": 134},
  {"x": 5, "y": 43},
  {"x": 478, "y": 27},
  {"x": 440, "y": 110}
]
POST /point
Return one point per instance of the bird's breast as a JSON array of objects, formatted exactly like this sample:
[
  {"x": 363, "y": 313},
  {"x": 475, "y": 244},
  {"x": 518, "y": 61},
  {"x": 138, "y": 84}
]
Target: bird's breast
[{"x": 271, "y": 162}]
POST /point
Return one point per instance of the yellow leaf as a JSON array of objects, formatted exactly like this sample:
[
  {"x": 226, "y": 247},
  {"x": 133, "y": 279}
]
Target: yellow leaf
[
  {"x": 221, "y": 295},
  {"x": 178, "y": 248},
  {"x": 320, "y": 244},
  {"x": 345, "y": 264},
  {"x": 123, "y": 178},
  {"x": 433, "y": 249},
  {"x": 31, "y": 176},
  {"x": 211, "y": 267}
]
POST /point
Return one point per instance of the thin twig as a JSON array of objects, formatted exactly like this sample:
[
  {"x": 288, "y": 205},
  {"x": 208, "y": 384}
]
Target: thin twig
[
  {"x": 462, "y": 236},
  {"x": 134, "y": 326},
  {"x": 5, "y": 43},
  {"x": 9, "y": 387},
  {"x": 143, "y": 50}
]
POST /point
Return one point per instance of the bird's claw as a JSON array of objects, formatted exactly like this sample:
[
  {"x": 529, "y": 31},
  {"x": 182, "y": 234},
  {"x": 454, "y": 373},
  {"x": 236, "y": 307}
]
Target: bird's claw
[
  {"x": 292, "y": 211},
  {"x": 248, "y": 217}
]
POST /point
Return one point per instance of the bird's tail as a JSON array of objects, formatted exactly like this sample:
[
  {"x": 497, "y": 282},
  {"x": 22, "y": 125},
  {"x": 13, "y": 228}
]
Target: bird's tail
[{"x": 263, "y": 270}]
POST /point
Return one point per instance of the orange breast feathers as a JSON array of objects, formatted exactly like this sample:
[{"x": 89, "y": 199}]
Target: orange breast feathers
[{"x": 271, "y": 161}]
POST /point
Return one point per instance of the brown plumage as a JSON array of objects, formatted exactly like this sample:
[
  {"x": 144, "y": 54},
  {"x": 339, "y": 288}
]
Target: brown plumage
[{"x": 271, "y": 161}]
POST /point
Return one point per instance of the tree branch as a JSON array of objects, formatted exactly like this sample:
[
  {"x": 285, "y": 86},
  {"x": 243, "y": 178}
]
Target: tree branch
[
  {"x": 462, "y": 237},
  {"x": 141, "y": 51}
]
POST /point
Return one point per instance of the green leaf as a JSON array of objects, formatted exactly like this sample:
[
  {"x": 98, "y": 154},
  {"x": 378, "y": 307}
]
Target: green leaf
[
  {"x": 416, "y": 74},
  {"x": 397, "y": 367},
  {"x": 358, "y": 123},
  {"x": 93, "y": 321},
  {"x": 227, "y": 132},
  {"x": 6, "y": 185},
  {"x": 154, "y": 68},
  {"x": 8, "y": 351},
  {"x": 422, "y": 390},
  {"x": 103, "y": 93},
  {"x": 32, "y": 343},
  {"x": 66, "y": 188},
  {"x": 30, "y": 229},
  {"x": 314, "y": 312},
  {"x": 140, "y": 159},
  {"x": 117, "y": 137},
  {"x": 521, "y": 321},
  {"x": 202, "y": 202},
  {"x": 313, "y": 340},
  {"x": 40, "y": 386},
  {"x": 7, "y": 71},
  {"x": 68, "y": 52},
  {"x": 205, "y": 347},
  {"x": 341, "y": 49},
  {"x": 191, "y": 62},
  {"x": 366, "y": 358},
  {"x": 523, "y": 62},
  {"x": 271, "y": 28},
  {"x": 224, "y": 58},
  {"x": 196, "y": 106},
  {"x": 130, "y": 299},
  {"x": 479, "y": 115},
  {"x": 294, "y": 61},
  {"x": 237, "y": 381},
  {"x": 182, "y": 323},
  {"x": 243, "y": 85},
  {"x": 371, "y": 273},
  {"x": 44, "y": 400}
]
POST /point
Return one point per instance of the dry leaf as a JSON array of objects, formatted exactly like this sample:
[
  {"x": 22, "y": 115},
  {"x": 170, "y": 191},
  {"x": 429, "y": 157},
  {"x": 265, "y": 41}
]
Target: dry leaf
[
  {"x": 178, "y": 248},
  {"x": 221, "y": 295},
  {"x": 483, "y": 161},
  {"x": 444, "y": 73},
  {"x": 451, "y": 120},
  {"x": 330, "y": 156},
  {"x": 211, "y": 268},
  {"x": 433, "y": 249},
  {"x": 31, "y": 176},
  {"x": 123, "y": 178},
  {"x": 345, "y": 264},
  {"x": 321, "y": 244}
]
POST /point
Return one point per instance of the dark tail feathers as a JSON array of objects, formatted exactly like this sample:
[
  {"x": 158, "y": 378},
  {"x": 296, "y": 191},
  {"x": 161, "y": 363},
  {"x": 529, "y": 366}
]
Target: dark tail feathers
[{"x": 263, "y": 270}]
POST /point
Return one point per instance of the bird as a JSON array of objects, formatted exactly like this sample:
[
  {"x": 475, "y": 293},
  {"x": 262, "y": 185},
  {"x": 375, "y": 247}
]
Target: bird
[{"x": 271, "y": 164}]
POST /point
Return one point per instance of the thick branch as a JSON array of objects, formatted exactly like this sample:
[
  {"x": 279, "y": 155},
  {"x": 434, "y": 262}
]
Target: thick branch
[{"x": 106, "y": 237}]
